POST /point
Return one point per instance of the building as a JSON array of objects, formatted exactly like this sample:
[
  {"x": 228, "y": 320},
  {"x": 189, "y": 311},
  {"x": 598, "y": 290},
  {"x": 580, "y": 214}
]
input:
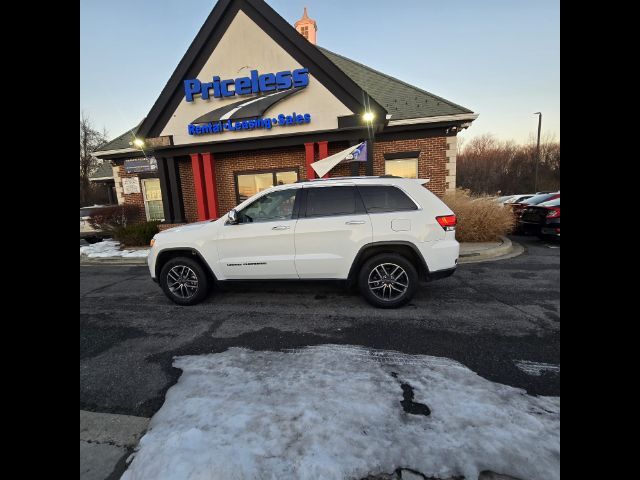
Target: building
[{"x": 254, "y": 101}]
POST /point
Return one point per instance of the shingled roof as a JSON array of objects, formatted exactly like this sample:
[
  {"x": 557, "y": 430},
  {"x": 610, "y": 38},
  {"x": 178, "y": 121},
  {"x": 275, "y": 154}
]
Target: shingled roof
[
  {"x": 121, "y": 142},
  {"x": 400, "y": 99}
]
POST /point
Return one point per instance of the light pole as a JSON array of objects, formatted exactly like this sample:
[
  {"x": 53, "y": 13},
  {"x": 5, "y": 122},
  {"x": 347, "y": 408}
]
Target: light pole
[{"x": 535, "y": 186}]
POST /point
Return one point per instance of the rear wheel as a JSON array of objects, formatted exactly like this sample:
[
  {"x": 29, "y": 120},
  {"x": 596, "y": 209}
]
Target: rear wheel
[
  {"x": 184, "y": 281},
  {"x": 388, "y": 280}
]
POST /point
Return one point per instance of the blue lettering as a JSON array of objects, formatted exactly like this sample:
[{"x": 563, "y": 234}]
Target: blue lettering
[
  {"x": 190, "y": 88},
  {"x": 281, "y": 119},
  {"x": 192, "y": 129},
  {"x": 283, "y": 80},
  {"x": 267, "y": 123},
  {"x": 205, "y": 90},
  {"x": 255, "y": 83},
  {"x": 243, "y": 86},
  {"x": 216, "y": 87},
  {"x": 267, "y": 82},
  {"x": 299, "y": 119},
  {"x": 224, "y": 88},
  {"x": 307, "y": 118},
  {"x": 301, "y": 77}
]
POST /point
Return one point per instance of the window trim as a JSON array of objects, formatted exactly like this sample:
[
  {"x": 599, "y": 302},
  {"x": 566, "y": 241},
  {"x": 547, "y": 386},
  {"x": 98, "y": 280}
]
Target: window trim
[
  {"x": 416, "y": 158},
  {"x": 237, "y": 173},
  {"x": 417, "y": 205},
  {"x": 360, "y": 209},
  {"x": 143, "y": 181},
  {"x": 402, "y": 155},
  {"x": 294, "y": 213}
]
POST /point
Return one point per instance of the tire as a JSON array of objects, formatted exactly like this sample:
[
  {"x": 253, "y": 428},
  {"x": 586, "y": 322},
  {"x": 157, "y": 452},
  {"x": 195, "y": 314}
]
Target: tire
[
  {"x": 185, "y": 273},
  {"x": 374, "y": 289}
]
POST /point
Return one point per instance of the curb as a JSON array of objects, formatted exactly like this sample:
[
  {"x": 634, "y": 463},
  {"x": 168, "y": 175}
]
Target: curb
[
  {"x": 85, "y": 260},
  {"x": 508, "y": 249}
]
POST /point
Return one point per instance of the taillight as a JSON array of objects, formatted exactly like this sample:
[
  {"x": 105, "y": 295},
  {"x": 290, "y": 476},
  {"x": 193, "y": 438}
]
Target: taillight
[
  {"x": 554, "y": 213},
  {"x": 447, "y": 222}
]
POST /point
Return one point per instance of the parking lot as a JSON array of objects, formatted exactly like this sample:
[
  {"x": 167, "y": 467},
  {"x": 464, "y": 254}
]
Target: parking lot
[{"x": 501, "y": 319}]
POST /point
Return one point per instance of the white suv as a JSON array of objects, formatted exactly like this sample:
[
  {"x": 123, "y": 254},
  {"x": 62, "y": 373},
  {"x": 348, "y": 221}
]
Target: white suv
[{"x": 385, "y": 233}]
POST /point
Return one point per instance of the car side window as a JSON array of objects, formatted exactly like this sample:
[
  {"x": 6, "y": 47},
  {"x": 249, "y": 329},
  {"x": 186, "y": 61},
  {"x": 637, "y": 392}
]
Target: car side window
[
  {"x": 270, "y": 207},
  {"x": 383, "y": 198},
  {"x": 330, "y": 201}
]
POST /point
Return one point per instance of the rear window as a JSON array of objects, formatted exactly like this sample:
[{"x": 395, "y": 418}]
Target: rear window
[
  {"x": 325, "y": 201},
  {"x": 383, "y": 198},
  {"x": 551, "y": 203},
  {"x": 536, "y": 199}
]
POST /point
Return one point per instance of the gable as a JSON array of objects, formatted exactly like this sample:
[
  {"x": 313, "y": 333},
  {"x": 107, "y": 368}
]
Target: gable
[
  {"x": 226, "y": 46},
  {"x": 245, "y": 48}
]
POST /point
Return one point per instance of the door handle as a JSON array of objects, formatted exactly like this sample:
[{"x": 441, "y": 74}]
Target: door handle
[
  {"x": 355, "y": 222},
  {"x": 281, "y": 227}
]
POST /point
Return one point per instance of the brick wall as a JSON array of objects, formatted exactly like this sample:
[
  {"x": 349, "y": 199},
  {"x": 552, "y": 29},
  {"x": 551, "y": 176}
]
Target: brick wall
[
  {"x": 135, "y": 199},
  {"x": 228, "y": 163},
  {"x": 434, "y": 163}
]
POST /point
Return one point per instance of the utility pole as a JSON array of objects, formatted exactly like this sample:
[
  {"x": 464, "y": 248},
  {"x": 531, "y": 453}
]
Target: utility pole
[{"x": 535, "y": 185}]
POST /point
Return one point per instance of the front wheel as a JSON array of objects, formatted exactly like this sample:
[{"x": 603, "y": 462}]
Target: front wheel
[
  {"x": 184, "y": 281},
  {"x": 388, "y": 280}
]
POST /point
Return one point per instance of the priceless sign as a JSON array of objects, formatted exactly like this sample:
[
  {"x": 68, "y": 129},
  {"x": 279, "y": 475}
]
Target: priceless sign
[{"x": 256, "y": 83}]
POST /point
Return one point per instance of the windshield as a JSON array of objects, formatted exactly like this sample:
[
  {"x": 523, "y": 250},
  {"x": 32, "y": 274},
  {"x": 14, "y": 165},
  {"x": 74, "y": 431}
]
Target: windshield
[
  {"x": 536, "y": 199},
  {"x": 550, "y": 203}
]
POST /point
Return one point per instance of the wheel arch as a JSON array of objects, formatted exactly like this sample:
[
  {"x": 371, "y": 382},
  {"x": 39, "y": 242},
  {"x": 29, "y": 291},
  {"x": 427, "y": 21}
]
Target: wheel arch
[
  {"x": 167, "y": 254},
  {"x": 406, "y": 249}
]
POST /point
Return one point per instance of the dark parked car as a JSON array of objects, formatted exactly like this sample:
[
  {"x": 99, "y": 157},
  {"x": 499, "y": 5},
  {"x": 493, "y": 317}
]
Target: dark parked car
[
  {"x": 542, "y": 219},
  {"x": 519, "y": 207}
]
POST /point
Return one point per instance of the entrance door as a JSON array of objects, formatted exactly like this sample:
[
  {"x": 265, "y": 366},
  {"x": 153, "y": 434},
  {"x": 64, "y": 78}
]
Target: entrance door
[
  {"x": 152, "y": 199},
  {"x": 261, "y": 245}
]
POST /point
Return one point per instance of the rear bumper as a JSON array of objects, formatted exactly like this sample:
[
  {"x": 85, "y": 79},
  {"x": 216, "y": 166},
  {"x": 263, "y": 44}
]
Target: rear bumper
[{"x": 437, "y": 275}]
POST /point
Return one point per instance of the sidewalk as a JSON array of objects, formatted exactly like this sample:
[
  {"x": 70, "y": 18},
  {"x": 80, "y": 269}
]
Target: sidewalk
[
  {"x": 469, "y": 253},
  {"x": 106, "y": 441}
]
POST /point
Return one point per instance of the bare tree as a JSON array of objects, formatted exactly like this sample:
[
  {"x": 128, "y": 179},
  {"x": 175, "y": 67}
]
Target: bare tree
[
  {"x": 90, "y": 140},
  {"x": 489, "y": 166}
]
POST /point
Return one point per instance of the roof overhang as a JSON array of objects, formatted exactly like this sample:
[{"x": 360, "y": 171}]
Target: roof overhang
[
  {"x": 105, "y": 153},
  {"x": 461, "y": 117}
]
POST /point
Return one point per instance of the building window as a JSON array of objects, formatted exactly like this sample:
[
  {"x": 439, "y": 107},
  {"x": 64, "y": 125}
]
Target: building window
[
  {"x": 152, "y": 199},
  {"x": 405, "y": 167},
  {"x": 305, "y": 32},
  {"x": 250, "y": 183}
]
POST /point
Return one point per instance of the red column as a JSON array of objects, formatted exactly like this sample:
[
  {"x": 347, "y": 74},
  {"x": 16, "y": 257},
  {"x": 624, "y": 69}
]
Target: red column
[
  {"x": 210, "y": 182},
  {"x": 308, "y": 151},
  {"x": 198, "y": 181},
  {"x": 323, "y": 150}
]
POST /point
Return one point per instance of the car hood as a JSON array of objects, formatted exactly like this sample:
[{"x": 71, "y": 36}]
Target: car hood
[{"x": 186, "y": 228}]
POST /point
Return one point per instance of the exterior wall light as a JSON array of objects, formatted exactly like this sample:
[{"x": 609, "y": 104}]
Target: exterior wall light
[
  {"x": 138, "y": 142},
  {"x": 368, "y": 116}
]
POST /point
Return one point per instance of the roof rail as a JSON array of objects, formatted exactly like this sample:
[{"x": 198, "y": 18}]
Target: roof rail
[{"x": 359, "y": 177}]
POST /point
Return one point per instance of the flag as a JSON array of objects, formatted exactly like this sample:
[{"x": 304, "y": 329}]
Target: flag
[{"x": 356, "y": 153}]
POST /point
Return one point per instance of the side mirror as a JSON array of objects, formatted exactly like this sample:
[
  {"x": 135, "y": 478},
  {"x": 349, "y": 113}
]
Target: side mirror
[{"x": 232, "y": 217}]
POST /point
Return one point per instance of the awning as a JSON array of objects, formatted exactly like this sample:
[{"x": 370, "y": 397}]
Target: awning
[{"x": 357, "y": 153}]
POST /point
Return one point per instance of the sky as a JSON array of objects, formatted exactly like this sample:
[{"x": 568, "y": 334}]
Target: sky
[{"x": 499, "y": 58}]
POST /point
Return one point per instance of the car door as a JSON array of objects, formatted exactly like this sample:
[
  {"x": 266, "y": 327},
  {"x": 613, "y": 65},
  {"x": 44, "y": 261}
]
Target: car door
[
  {"x": 261, "y": 245},
  {"x": 331, "y": 229}
]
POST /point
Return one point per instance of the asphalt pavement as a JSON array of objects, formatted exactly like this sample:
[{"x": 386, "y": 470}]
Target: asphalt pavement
[{"x": 499, "y": 318}]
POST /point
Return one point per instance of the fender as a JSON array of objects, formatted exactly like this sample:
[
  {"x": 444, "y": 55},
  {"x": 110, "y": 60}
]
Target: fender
[
  {"x": 424, "y": 270},
  {"x": 193, "y": 252}
]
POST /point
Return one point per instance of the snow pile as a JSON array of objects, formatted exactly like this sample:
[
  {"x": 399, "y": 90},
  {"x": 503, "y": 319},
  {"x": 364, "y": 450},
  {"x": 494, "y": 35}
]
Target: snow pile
[
  {"x": 334, "y": 412},
  {"x": 110, "y": 248}
]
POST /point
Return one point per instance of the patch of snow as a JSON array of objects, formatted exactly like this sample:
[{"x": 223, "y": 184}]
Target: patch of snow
[
  {"x": 536, "y": 368},
  {"x": 334, "y": 412},
  {"x": 110, "y": 248}
]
